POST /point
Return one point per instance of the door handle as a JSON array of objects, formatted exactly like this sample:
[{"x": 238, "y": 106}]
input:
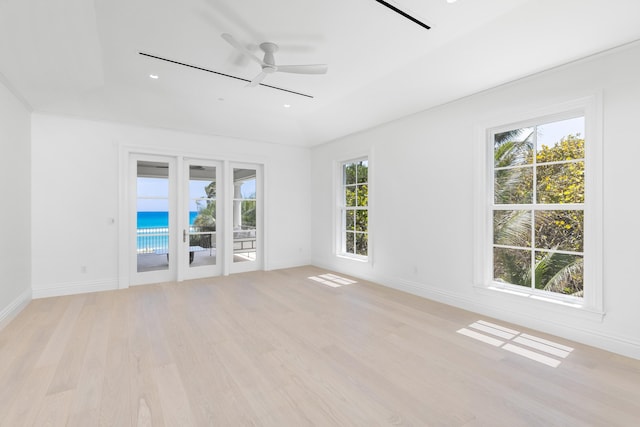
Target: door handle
[{"x": 184, "y": 236}]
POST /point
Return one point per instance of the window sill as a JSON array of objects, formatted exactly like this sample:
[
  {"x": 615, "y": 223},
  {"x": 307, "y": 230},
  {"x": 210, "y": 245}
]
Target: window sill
[
  {"x": 358, "y": 258},
  {"x": 536, "y": 301}
]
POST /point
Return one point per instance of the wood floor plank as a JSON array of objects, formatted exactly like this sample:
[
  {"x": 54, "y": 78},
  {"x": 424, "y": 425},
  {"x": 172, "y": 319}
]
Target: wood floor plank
[
  {"x": 277, "y": 348},
  {"x": 68, "y": 370},
  {"x": 115, "y": 406},
  {"x": 23, "y": 408},
  {"x": 146, "y": 405},
  {"x": 21, "y": 359},
  {"x": 173, "y": 398},
  {"x": 85, "y": 408},
  {"x": 58, "y": 342},
  {"x": 54, "y": 410}
]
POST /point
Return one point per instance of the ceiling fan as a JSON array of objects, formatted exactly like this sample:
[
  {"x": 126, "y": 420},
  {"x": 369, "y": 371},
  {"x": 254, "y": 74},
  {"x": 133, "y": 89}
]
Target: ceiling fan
[{"x": 268, "y": 63}]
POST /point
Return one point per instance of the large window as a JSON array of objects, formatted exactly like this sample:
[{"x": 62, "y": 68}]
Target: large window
[
  {"x": 354, "y": 208},
  {"x": 538, "y": 206}
]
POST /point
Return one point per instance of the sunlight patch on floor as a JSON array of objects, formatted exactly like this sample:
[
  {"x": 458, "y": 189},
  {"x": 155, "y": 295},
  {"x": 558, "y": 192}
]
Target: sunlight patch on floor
[
  {"x": 532, "y": 347},
  {"x": 332, "y": 280}
]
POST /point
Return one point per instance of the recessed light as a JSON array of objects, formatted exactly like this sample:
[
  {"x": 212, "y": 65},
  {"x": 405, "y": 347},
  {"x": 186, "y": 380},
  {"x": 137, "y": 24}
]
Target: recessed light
[
  {"x": 287, "y": 105},
  {"x": 220, "y": 99},
  {"x": 451, "y": 1},
  {"x": 153, "y": 76}
]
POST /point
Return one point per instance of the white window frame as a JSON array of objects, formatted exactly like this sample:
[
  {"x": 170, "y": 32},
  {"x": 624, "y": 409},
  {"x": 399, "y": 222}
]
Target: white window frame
[
  {"x": 590, "y": 108},
  {"x": 341, "y": 209}
]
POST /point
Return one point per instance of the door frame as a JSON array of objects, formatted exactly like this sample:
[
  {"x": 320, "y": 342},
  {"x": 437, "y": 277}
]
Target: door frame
[
  {"x": 259, "y": 263},
  {"x": 185, "y": 271},
  {"x": 173, "y": 172},
  {"x": 125, "y": 220}
]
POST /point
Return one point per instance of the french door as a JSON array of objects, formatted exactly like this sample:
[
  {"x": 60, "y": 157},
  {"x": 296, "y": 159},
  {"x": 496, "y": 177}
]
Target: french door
[
  {"x": 201, "y": 239},
  {"x": 193, "y": 218},
  {"x": 245, "y": 182}
]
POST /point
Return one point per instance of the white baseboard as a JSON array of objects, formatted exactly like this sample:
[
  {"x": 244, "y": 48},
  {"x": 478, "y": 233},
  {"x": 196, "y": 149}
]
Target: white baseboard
[
  {"x": 617, "y": 344},
  {"x": 73, "y": 288},
  {"x": 16, "y": 306},
  {"x": 625, "y": 346},
  {"x": 280, "y": 266}
]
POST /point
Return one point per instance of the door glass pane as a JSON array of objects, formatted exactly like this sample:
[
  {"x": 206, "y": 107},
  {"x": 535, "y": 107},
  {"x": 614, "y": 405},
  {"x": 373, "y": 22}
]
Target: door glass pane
[
  {"x": 244, "y": 215},
  {"x": 152, "y": 225},
  {"x": 202, "y": 216}
]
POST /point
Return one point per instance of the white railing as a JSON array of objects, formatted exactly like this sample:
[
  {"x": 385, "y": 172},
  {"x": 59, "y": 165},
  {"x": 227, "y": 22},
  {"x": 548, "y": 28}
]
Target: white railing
[{"x": 151, "y": 240}]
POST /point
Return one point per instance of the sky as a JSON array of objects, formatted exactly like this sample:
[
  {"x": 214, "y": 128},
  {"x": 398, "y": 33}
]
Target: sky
[
  {"x": 157, "y": 189},
  {"x": 551, "y": 133}
]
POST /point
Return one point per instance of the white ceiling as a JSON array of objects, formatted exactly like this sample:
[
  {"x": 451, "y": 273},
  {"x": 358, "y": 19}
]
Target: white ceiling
[{"x": 80, "y": 58}]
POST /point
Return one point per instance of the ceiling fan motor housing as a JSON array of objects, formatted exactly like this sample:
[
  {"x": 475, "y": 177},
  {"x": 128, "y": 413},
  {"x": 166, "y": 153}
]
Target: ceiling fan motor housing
[
  {"x": 268, "y": 63},
  {"x": 269, "y": 49}
]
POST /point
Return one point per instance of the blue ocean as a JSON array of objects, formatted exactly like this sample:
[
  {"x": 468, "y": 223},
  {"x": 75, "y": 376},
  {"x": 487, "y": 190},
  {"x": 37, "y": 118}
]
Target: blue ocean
[
  {"x": 153, "y": 231},
  {"x": 159, "y": 219}
]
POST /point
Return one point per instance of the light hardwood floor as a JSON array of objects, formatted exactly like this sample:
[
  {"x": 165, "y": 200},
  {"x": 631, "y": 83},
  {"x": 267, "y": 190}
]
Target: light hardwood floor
[{"x": 277, "y": 349}]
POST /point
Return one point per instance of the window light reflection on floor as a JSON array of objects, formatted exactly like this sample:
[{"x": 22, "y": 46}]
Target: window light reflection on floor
[
  {"x": 332, "y": 280},
  {"x": 532, "y": 347}
]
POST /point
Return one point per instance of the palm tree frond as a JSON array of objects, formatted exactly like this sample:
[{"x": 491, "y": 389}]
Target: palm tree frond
[{"x": 568, "y": 278}]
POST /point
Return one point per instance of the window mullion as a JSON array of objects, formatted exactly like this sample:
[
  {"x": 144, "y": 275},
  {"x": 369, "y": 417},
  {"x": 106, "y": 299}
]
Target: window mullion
[
  {"x": 534, "y": 196},
  {"x": 354, "y": 227},
  {"x": 541, "y": 207},
  {"x": 538, "y": 223}
]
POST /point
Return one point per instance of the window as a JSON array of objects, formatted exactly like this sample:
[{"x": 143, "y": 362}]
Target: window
[
  {"x": 538, "y": 206},
  {"x": 354, "y": 208}
]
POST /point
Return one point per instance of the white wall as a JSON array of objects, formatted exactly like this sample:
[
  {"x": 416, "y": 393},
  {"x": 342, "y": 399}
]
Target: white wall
[
  {"x": 75, "y": 195},
  {"x": 15, "y": 213},
  {"x": 423, "y": 171}
]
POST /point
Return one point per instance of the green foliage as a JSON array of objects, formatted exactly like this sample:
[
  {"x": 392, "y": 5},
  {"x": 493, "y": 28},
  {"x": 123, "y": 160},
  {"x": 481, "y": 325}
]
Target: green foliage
[
  {"x": 563, "y": 230},
  {"x": 248, "y": 209},
  {"x": 512, "y": 266},
  {"x": 561, "y": 273},
  {"x": 569, "y": 148},
  {"x": 514, "y": 186},
  {"x": 356, "y": 195},
  {"x": 512, "y": 228},
  {"x": 211, "y": 190},
  {"x": 559, "y": 183},
  {"x": 513, "y": 148},
  {"x": 554, "y": 272},
  {"x": 205, "y": 221},
  {"x": 356, "y": 173}
]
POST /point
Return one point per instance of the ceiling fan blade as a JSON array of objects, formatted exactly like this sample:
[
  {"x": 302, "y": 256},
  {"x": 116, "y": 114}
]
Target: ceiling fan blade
[
  {"x": 304, "y": 69},
  {"x": 257, "y": 79},
  {"x": 195, "y": 67},
  {"x": 233, "y": 42}
]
